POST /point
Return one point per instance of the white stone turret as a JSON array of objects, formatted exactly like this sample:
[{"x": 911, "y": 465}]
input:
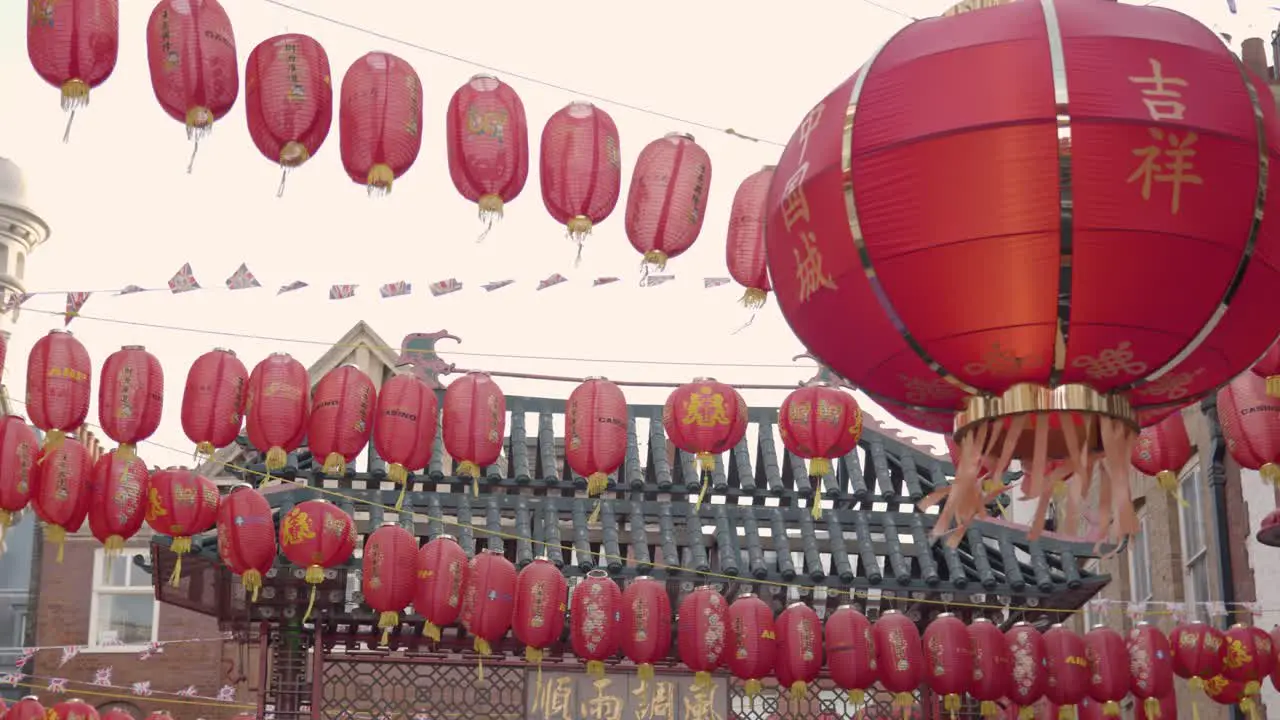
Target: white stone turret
[{"x": 21, "y": 230}]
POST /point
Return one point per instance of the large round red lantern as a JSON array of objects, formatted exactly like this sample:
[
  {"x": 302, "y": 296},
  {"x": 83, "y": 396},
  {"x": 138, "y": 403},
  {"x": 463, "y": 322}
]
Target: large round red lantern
[
  {"x": 191, "y": 50},
  {"x": 701, "y": 632},
  {"x": 130, "y": 397},
  {"x": 119, "y": 493},
  {"x": 119, "y": 713},
  {"x": 595, "y": 425},
  {"x": 542, "y": 596},
  {"x": 595, "y": 620},
  {"x": 1108, "y": 658},
  {"x": 277, "y": 407},
  {"x": 316, "y": 535},
  {"x": 404, "y": 427},
  {"x": 581, "y": 168},
  {"x": 992, "y": 667},
  {"x": 380, "y": 120},
  {"x": 744, "y": 252},
  {"x": 288, "y": 99},
  {"x": 181, "y": 504},
  {"x": 1069, "y": 334},
  {"x": 488, "y": 144},
  {"x": 488, "y": 601},
  {"x": 61, "y": 497},
  {"x": 1067, "y": 667},
  {"x": 667, "y": 201},
  {"x": 1162, "y": 450},
  {"x": 1028, "y": 654},
  {"x": 1249, "y": 657},
  {"x": 820, "y": 422},
  {"x": 247, "y": 537},
  {"x": 646, "y": 624},
  {"x": 1251, "y": 425},
  {"x": 799, "y": 649},
  {"x": 1269, "y": 367},
  {"x": 851, "y": 652},
  {"x": 443, "y": 570},
  {"x": 341, "y": 420},
  {"x": 28, "y": 708},
  {"x": 1197, "y": 650},
  {"x": 475, "y": 421},
  {"x": 705, "y": 418},
  {"x": 59, "y": 379},
  {"x": 73, "y": 709},
  {"x": 19, "y": 471},
  {"x": 213, "y": 400},
  {"x": 948, "y": 659},
  {"x": 898, "y": 653},
  {"x": 1151, "y": 665},
  {"x": 388, "y": 569},
  {"x": 753, "y": 642},
  {"x": 73, "y": 46},
  {"x": 1230, "y": 692}
]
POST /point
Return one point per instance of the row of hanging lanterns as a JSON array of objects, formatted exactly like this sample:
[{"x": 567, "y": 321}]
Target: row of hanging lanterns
[{"x": 30, "y": 708}]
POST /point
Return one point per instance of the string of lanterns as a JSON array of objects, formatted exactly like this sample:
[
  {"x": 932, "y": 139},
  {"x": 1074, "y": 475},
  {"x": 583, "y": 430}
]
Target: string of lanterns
[{"x": 30, "y": 708}]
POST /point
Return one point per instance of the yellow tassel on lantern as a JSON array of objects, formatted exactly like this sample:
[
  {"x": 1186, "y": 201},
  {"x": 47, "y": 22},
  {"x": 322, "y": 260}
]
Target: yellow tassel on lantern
[
  {"x": 595, "y": 668},
  {"x": 1112, "y": 709},
  {"x": 277, "y": 458},
  {"x": 597, "y": 483},
  {"x": 706, "y": 465},
  {"x": 482, "y": 649},
  {"x": 1197, "y": 686},
  {"x": 1067, "y": 712},
  {"x": 1150, "y": 705},
  {"x": 1248, "y": 707},
  {"x": 702, "y": 679},
  {"x": 471, "y": 470},
  {"x": 388, "y": 621},
  {"x": 251, "y": 580},
  {"x": 1027, "y": 713},
  {"x": 1273, "y": 386},
  {"x": 752, "y": 688},
  {"x": 205, "y": 448},
  {"x": 857, "y": 697},
  {"x": 754, "y": 298},
  {"x": 314, "y": 576},
  {"x": 57, "y": 535},
  {"x": 1271, "y": 473},
  {"x": 335, "y": 464},
  {"x": 904, "y": 702},
  {"x": 534, "y": 655},
  {"x": 989, "y": 709},
  {"x": 657, "y": 259},
  {"x": 799, "y": 689},
  {"x": 53, "y": 439},
  {"x": 399, "y": 475},
  {"x": 818, "y": 468},
  {"x": 180, "y": 546},
  {"x": 645, "y": 672},
  {"x": 490, "y": 206},
  {"x": 199, "y": 120},
  {"x": 75, "y": 94},
  {"x": 126, "y": 452},
  {"x": 6, "y": 519},
  {"x": 1167, "y": 480},
  {"x": 578, "y": 227},
  {"x": 951, "y": 703},
  {"x": 431, "y": 631},
  {"x": 380, "y": 179},
  {"x": 293, "y": 154}
]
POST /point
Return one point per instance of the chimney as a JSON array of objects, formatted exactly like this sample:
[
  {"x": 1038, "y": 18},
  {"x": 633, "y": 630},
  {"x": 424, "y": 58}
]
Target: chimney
[{"x": 1255, "y": 57}]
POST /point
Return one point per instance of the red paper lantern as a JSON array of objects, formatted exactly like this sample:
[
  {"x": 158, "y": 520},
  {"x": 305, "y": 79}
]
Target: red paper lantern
[
  {"x": 192, "y": 53},
  {"x": 851, "y": 652},
  {"x": 59, "y": 379},
  {"x": 404, "y": 428},
  {"x": 317, "y": 535},
  {"x": 744, "y": 253},
  {"x": 1249, "y": 657},
  {"x": 443, "y": 570},
  {"x": 1027, "y": 652},
  {"x": 61, "y": 497},
  {"x": 1229, "y": 692},
  {"x": 992, "y": 667},
  {"x": 799, "y": 649},
  {"x": 820, "y": 422},
  {"x": 581, "y": 168},
  {"x": 1251, "y": 425},
  {"x": 646, "y": 624},
  {"x": 74, "y": 709},
  {"x": 119, "y": 492},
  {"x": 181, "y": 504},
  {"x": 542, "y": 596},
  {"x": 277, "y": 408},
  {"x": 73, "y": 46},
  {"x": 341, "y": 417},
  {"x": 19, "y": 469},
  {"x": 1269, "y": 367},
  {"x": 288, "y": 99},
  {"x": 1151, "y": 665},
  {"x": 5, "y": 336},
  {"x": 488, "y": 143},
  {"x": 1162, "y": 450},
  {"x": 389, "y": 567},
  {"x": 1108, "y": 658},
  {"x": 1197, "y": 650},
  {"x": 668, "y": 198},
  {"x": 488, "y": 600},
  {"x": 753, "y": 642},
  {"x": 705, "y": 418},
  {"x": 948, "y": 659},
  {"x": 595, "y": 423},
  {"x": 130, "y": 397},
  {"x": 116, "y": 713},
  {"x": 28, "y": 708},
  {"x": 247, "y": 536},
  {"x": 380, "y": 120},
  {"x": 213, "y": 400},
  {"x": 898, "y": 653},
  {"x": 1067, "y": 668},
  {"x": 595, "y": 620},
  {"x": 475, "y": 421},
  {"x": 701, "y": 632},
  {"x": 868, "y": 208}
]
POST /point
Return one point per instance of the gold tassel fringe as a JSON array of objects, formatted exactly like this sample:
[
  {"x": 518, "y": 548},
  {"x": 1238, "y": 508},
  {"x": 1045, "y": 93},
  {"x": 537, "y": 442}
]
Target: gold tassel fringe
[
  {"x": 466, "y": 468},
  {"x": 53, "y": 439},
  {"x": 1067, "y": 712},
  {"x": 752, "y": 687},
  {"x": 431, "y": 631},
  {"x": 595, "y": 668},
  {"x": 180, "y": 546},
  {"x": 483, "y": 649},
  {"x": 904, "y": 702},
  {"x": 1271, "y": 473},
  {"x": 657, "y": 259},
  {"x": 399, "y": 475},
  {"x": 951, "y": 703},
  {"x": 989, "y": 709},
  {"x": 127, "y": 451},
  {"x": 379, "y": 180},
  {"x": 314, "y": 576},
  {"x": 1027, "y": 713},
  {"x": 702, "y": 679},
  {"x": 857, "y": 697},
  {"x": 251, "y": 580},
  {"x": 1167, "y": 480},
  {"x": 277, "y": 458},
  {"x": 1112, "y": 709},
  {"x": 754, "y": 298},
  {"x": 1150, "y": 705},
  {"x": 335, "y": 464},
  {"x": 799, "y": 689},
  {"x": 206, "y": 449},
  {"x": 645, "y": 672},
  {"x": 1273, "y": 386},
  {"x": 597, "y": 483},
  {"x": 58, "y": 536},
  {"x": 388, "y": 621}
]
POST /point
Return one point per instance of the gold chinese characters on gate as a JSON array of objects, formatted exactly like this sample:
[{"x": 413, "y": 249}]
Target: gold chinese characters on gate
[
  {"x": 574, "y": 696},
  {"x": 1169, "y": 158},
  {"x": 795, "y": 211}
]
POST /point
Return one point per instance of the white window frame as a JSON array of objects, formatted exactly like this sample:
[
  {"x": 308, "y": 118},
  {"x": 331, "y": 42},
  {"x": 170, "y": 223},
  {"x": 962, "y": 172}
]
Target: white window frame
[
  {"x": 1195, "y": 604},
  {"x": 1145, "y": 567},
  {"x": 99, "y": 564}
]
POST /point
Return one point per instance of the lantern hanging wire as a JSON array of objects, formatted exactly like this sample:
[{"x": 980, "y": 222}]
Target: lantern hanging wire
[{"x": 75, "y": 95}]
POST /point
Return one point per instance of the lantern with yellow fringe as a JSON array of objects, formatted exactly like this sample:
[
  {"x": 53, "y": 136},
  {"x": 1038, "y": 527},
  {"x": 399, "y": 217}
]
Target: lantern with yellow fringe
[
  {"x": 1108, "y": 669},
  {"x": 342, "y": 405},
  {"x": 1231, "y": 692},
  {"x": 744, "y": 251},
  {"x": 1068, "y": 670},
  {"x": 404, "y": 427},
  {"x": 488, "y": 601},
  {"x": 288, "y": 99},
  {"x": 73, "y": 46},
  {"x": 118, "y": 494},
  {"x": 595, "y": 617},
  {"x": 753, "y": 642},
  {"x": 1030, "y": 674},
  {"x": 130, "y": 397},
  {"x": 1166, "y": 708},
  {"x": 581, "y": 168},
  {"x": 442, "y": 575},
  {"x": 487, "y": 138},
  {"x": 899, "y": 655},
  {"x": 595, "y": 428},
  {"x": 316, "y": 535},
  {"x": 851, "y": 652},
  {"x": 1197, "y": 650},
  {"x": 948, "y": 662},
  {"x": 475, "y": 422},
  {"x": 667, "y": 201},
  {"x": 799, "y": 649},
  {"x": 213, "y": 400},
  {"x": 705, "y": 418},
  {"x": 701, "y": 633},
  {"x": 821, "y": 423},
  {"x": 247, "y": 536},
  {"x": 379, "y": 120},
  {"x": 276, "y": 408},
  {"x": 1269, "y": 367},
  {"x": 59, "y": 381},
  {"x": 646, "y": 624},
  {"x": 1251, "y": 425},
  {"x": 992, "y": 667},
  {"x": 1249, "y": 657},
  {"x": 389, "y": 565},
  {"x": 542, "y": 597},
  {"x": 19, "y": 471},
  {"x": 61, "y": 497},
  {"x": 1162, "y": 450},
  {"x": 181, "y": 504}
]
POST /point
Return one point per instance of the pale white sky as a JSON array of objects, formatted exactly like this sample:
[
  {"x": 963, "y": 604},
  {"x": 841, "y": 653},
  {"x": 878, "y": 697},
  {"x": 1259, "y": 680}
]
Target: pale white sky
[{"x": 123, "y": 210}]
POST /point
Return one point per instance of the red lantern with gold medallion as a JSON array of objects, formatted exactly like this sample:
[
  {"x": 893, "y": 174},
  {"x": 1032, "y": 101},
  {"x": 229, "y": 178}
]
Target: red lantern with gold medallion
[
  {"x": 899, "y": 655},
  {"x": 213, "y": 400},
  {"x": 247, "y": 536},
  {"x": 949, "y": 660},
  {"x": 821, "y": 423},
  {"x": 380, "y": 120},
  {"x": 851, "y": 652},
  {"x": 1251, "y": 425},
  {"x": 130, "y": 397},
  {"x": 488, "y": 601},
  {"x": 475, "y": 422},
  {"x": 181, "y": 504},
  {"x": 61, "y": 497},
  {"x": 74, "y": 709},
  {"x": 595, "y": 428},
  {"x": 1249, "y": 657},
  {"x": 542, "y": 597},
  {"x": 753, "y": 642},
  {"x": 19, "y": 468},
  {"x": 1067, "y": 667},
  {"x": 1162, "y": 450},
  {"x": 705, "y": 418},
  {"x": 745, "y": 251},
  {"x": 1108, "y": 668},
  {"x": 59, "y": 380},
  {"x": 342, "y": 404},
  {"x": 799, "y": 649},
  {"x": 487, "y": 137},
  {"x": 992, "y": 667},
  {"x": 389, "y": 567},
  {"x": 581, "y": 168},
  {"x": 288, "y": 99},
  {"x": 404, "y": 427},
  {"x": 595, "y": 620},
  {"x": 646, "y": 624},
  {"x": 1030, "y": 675},
  {"x": 277, "y": 407},
  {"x": 119, "y": 495},
  {"x": 1197, "y": 650},
  {"x": 667, "y": 201},
  {"x": 443, "y": 570},
  {"x": 701, "y": 635},
  {"x": 73, "y": 46},
  {"x": 317, "y": 535},
  {"x": 1230, "y": 692}
]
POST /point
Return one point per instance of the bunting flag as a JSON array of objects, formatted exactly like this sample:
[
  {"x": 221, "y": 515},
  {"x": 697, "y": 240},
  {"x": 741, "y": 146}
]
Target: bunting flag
[
  {"x": 188, "y": 691},
  {"x": 445, "y": 287},
  {"x": 342, "y": 292},
  {"x": 655, "y": 280},
  {"x": 604, "y": 281},
  {"x": 295, "y": 285},
  {"x": 68, "y": 654},
  {"x": 554, "y": 279},
  {"x": 496, "y": 285},
  {"x": 102, "y": 677},
  {"x": 395, "y": 289},
  {"x": 75, "y": 301},
  {"x": 130, "y": 290},
  {"x": 15, "y": 300},
  {"x": 10, "y": 679},
  {"x": 184, "y": 280},
  {"x": 142, "y": 689},
  {"x": 242, "y": 279},
  {"x": 714, "y": 282},
  {"x": 57, "y": 685},
  {"x": 226, "y": 693}
]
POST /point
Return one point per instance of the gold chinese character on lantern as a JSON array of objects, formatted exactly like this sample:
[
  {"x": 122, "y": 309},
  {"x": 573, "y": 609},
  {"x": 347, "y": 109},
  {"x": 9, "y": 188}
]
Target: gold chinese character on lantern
[
  {"x": 795, "y": 206},
  {"x": 553, "y": 699},
  {"x": 1162, "y": 101},
  {"x": 603, "y": 705},
  {"x": 807, "y": 126},
  {"x": 706, "y": 409},
  {"x": 799, "y": 412},
  {"x": 297, "y": 528},
  {"x": 1168, "y": 163},
  {"x": 809, "y": 267},
  {"x": 155, "y": 508},
  {"x": 829, "y": 412}
]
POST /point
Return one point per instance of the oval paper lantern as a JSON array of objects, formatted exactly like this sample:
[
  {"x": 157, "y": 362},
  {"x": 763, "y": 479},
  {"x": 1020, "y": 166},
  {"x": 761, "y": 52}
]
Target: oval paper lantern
[
  {"x": 595, "y": 620},
  {"x": 851, "y": 652},
  {"x": 59, "y": 379},
  {"x": 73, "y": 46},
  {"x": 213, "y": 400},
  {"x": 667, "y": 201},
  {"x": 380, "y": 120},
  {"x": 581, "y": 168},
  {"x": 899, "y": 655},
  {"x": 475, "y": 422},
  {"x": 1162, "y": 450},
  {"x": 342, "y": 405},
  {"x": 705, "y": 418},
  {"x": 388, "y": 570},
  {"x": 1269, "y": 367},
  {"x": 488, "y": 600},
  {"x": 247, "y": 537},
  {"x": 119, "y": 493},
  {"x": 61, "y": 496},
  {"x": 992, "y": 667},
  {"x": 701, "y": 632},
  {"x": 28, "y": 708},
  {"x": 316, "y": 535},
  {"x": 595, "y": 428},
  {"x": 130, "y": 397},
  {"x": 646, "y": 624},
  {"x": 288, "y": 99},
  {"x": 19, "y": 468},
  {"x": 1067, "y": 667},
  {"x": 744, "y": 252},
  {"x": 753, "y": 642},
  {"x": 799, "y": 649},
  {"x": 1108, "y": 668},
  {"x": 488, "y": 144},
  {"x": 542, "y": 596},
  {"x": 821, "y": 423},
  {"x": 1198, "y": 650},
  {"x": 73, "y": 709},
  {"x": 1249, "y": 657},
  {"x": 404, "y": 428},
  {"x": 1251, "y": 425},
  {"x": 181, "y": 504},
  {"x": 277, "y": 408},
  {"x": 1027, "y": 652},
  {"x": 443, "y": 570},
  {"x": 1151, "y": 665},
  {"x": 948, "y": 659}
]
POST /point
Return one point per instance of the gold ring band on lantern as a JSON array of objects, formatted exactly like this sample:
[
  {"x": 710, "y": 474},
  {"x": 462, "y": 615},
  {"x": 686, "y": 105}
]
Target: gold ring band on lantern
[
  {"x": 599, "y": 574},
  {"x": 1028, "y": 398}
]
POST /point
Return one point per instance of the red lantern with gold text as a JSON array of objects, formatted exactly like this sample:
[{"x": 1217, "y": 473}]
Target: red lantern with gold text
[
  {"x": 1249, "y": 657},
  {"x": 247, "y": 536},
  {"x": 288, "y": 99},
  {"x": 73, "y": 46},
  {"x": 213, "y": 400},
  {"x": 1162, "y": 450},
  {"x": 701, "y": 632},
  {"x": 73, "y": 709},
  {"x": 1251, "y": 425},
  {"x": 181, "y": 504},
  {"x": 948, "y": 659},
  {"x": 851, "y": 652},
  {"x": 316, "y": 535},
  {"x": 475, "y": 421},
  {"x": 1108, "y": 668},
  {"x": 1151, "y": 666},
  {"x": 19, "y": 471},
  {"x": 595, "y": 419},
  {"x": 744, "y": 252},
  {"x": 899, "y": 655},
  {"x": 191, "y": 50},
  {"x": 753, "y": 642},
  {"x": 705, "y": 418},
  {"x": 1269, "y": 367},
  {"x": 342, "y": 405},
  {"x": 595, "y": 620},
  {"x": 1068, "y": 337},
  {"x": 61, "y": 497},
  {"x": 992, "y": 667},
  {"x": 404, "y": 428},
  {"x": 59, "y": 379},
  {"x": 488, "y": 601},
  {"x": 388, "y": 570},
  {"x": 380, "y": 120},
  {"x": 667, "y": 201},
  {"x": 488, "y": 144},
  {"x": 581, "y": 168},
  {"x": 130, "y": 397},
  {"x": 542, "y": 596},
  {"x": 28, "y": 708},
  {"x": 1197, "y": 650},
  {"x": 799, "y": 649},
  {"x": 5, "y": 337},
  {"x": 821, "y": 423},
  {"x": 1030, "y": 677},
  {"x": 1067, "y": 668},
  {"x": 646, "y": 624},
  {"x": 277, "y": 408},
  {"x": 119, "y": 493},
  {"x": 443, "y": 570}
]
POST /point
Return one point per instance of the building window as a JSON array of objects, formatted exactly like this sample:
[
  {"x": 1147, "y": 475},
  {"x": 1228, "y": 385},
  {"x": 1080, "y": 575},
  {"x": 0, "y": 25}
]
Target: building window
[
  {"x": 123, "y": 612},
  {"x": 1195, "y": 554},
  {"x": 1140, "y": 565}
]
